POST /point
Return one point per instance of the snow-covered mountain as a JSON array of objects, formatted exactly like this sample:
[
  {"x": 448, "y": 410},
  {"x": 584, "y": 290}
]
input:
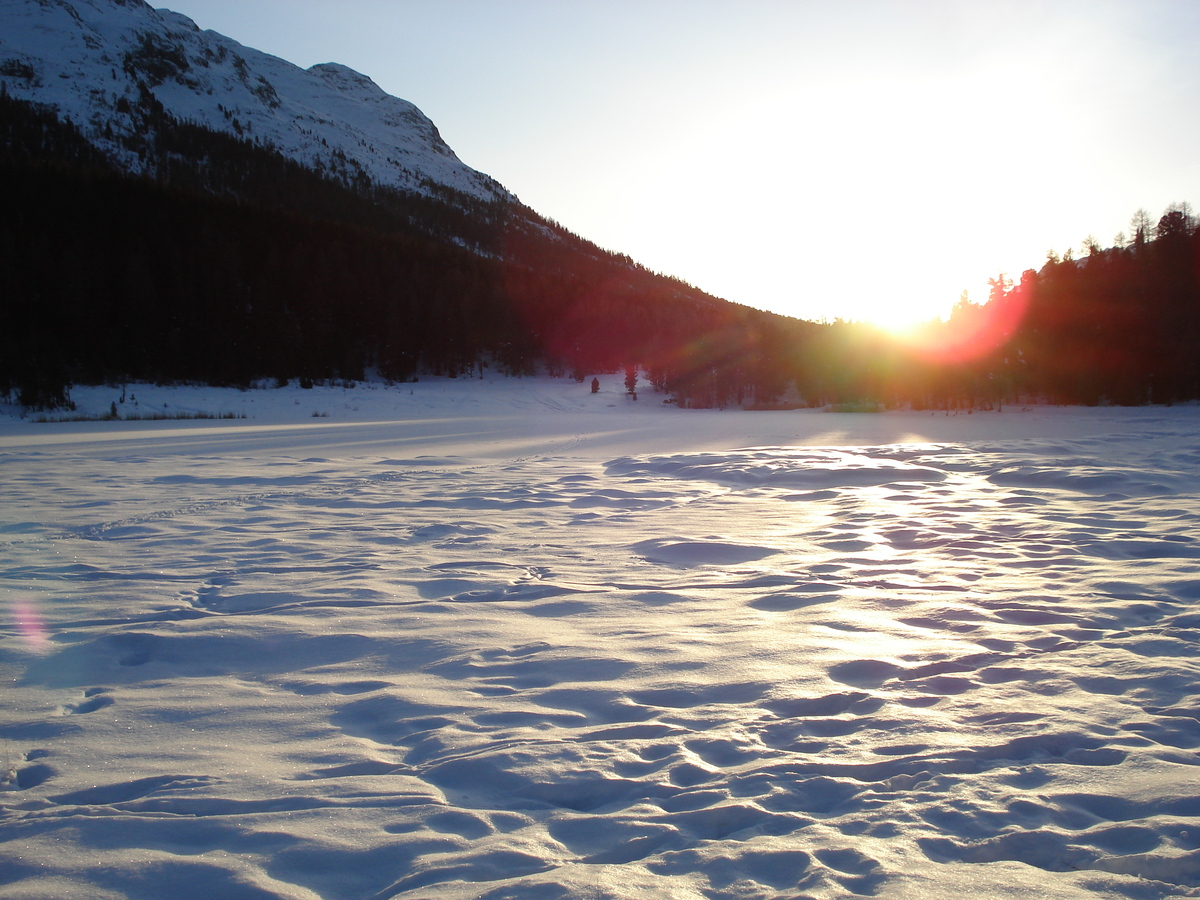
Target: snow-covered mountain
[
  {"x": 95, "y": 61},
  {"x": 293, "y": 224}
]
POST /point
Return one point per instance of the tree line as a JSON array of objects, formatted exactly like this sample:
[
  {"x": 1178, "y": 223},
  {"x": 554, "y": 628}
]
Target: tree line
[
  {"x": 228, "y": 263},
  {"x": 1120, "y": 324},
  {"x": 1115, "y": 325}
]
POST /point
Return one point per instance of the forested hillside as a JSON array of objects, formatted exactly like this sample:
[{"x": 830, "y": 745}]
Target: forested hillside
[
  {"x": 232, "y": 263},
  {"x": 1119, "y": 325}
]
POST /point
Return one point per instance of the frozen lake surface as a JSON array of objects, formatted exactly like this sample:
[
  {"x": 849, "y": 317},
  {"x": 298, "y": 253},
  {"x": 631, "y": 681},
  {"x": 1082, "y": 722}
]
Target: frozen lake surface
[{"x": 509, "y": 639}]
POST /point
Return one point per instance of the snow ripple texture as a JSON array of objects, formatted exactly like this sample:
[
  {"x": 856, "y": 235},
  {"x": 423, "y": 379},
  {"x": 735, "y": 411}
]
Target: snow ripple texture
[{"x": 903, "y": 671}]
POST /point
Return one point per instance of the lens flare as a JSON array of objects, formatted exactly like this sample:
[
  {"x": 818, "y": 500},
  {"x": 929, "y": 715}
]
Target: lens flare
[
  {"x": 30, "y": 625},
  {"x": 972, "y": 331}
]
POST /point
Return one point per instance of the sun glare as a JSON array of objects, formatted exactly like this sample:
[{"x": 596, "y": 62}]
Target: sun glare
[{"x": 898, "y": 318}]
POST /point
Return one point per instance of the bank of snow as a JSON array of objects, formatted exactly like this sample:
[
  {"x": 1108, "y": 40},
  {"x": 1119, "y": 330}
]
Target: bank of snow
[{"x": 518, "y": 640}]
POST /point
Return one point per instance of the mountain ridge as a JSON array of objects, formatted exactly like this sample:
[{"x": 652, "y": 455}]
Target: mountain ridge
[
  {"x": 183, "y": 208},
  {"x": 97, "y": 62}
]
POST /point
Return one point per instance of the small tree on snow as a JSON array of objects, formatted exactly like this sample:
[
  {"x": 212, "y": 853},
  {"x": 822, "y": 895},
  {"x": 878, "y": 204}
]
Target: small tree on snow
[{"x": 631, "y": 376}]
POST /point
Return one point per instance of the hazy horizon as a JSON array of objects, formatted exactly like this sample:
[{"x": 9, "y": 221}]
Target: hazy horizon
[{"x": 863, "y": 161}]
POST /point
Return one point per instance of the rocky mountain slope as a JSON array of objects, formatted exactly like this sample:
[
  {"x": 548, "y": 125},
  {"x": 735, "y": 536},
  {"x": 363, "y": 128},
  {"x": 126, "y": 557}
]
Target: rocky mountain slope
[{"x": 107, "y": 64}]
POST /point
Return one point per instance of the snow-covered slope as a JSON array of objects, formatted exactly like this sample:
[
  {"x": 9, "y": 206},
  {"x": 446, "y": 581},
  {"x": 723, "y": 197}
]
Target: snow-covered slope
[
  {"x": 91, "y": 60},
  {"x": 512, "y": 640}
]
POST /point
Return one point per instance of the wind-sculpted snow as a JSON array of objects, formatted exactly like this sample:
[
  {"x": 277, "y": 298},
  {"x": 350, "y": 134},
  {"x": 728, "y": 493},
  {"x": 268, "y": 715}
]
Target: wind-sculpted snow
[
  {"x": 812, "y": 469},
  {"x": 933, "y": 670}
]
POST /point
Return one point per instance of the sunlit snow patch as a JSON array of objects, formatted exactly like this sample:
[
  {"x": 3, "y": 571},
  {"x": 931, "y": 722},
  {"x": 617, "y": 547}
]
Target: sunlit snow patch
[{"x": 785, "y": 467}]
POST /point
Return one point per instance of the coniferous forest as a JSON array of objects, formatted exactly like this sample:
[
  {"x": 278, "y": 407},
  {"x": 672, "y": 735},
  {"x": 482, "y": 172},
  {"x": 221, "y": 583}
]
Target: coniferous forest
[{"x": 233, "y": 264}]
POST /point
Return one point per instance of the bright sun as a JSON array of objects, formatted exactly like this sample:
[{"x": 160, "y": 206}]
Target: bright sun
[{"x": 898, "y": 317}]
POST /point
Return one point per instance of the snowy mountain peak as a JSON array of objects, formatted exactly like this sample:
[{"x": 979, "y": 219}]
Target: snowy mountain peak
[
  {"x": 95, "y": 62},
  {"x": 345, "y": 78}
]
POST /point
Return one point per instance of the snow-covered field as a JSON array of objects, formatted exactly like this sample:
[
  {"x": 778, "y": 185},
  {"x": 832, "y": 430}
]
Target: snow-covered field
[{"x": 469, "y": 638}]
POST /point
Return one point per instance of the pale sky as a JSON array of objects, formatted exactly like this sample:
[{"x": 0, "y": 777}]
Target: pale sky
[{"x": 855, "y": 159}]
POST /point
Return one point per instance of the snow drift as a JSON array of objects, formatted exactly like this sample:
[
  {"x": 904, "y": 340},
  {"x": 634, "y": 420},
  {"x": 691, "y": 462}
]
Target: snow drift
[{"x": 240, "y": 665}]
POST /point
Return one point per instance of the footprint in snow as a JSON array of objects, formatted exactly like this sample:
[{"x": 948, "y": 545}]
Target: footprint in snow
[
  {"x": 15, "y": 777},
  {"x": 93, "y": 699}
]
